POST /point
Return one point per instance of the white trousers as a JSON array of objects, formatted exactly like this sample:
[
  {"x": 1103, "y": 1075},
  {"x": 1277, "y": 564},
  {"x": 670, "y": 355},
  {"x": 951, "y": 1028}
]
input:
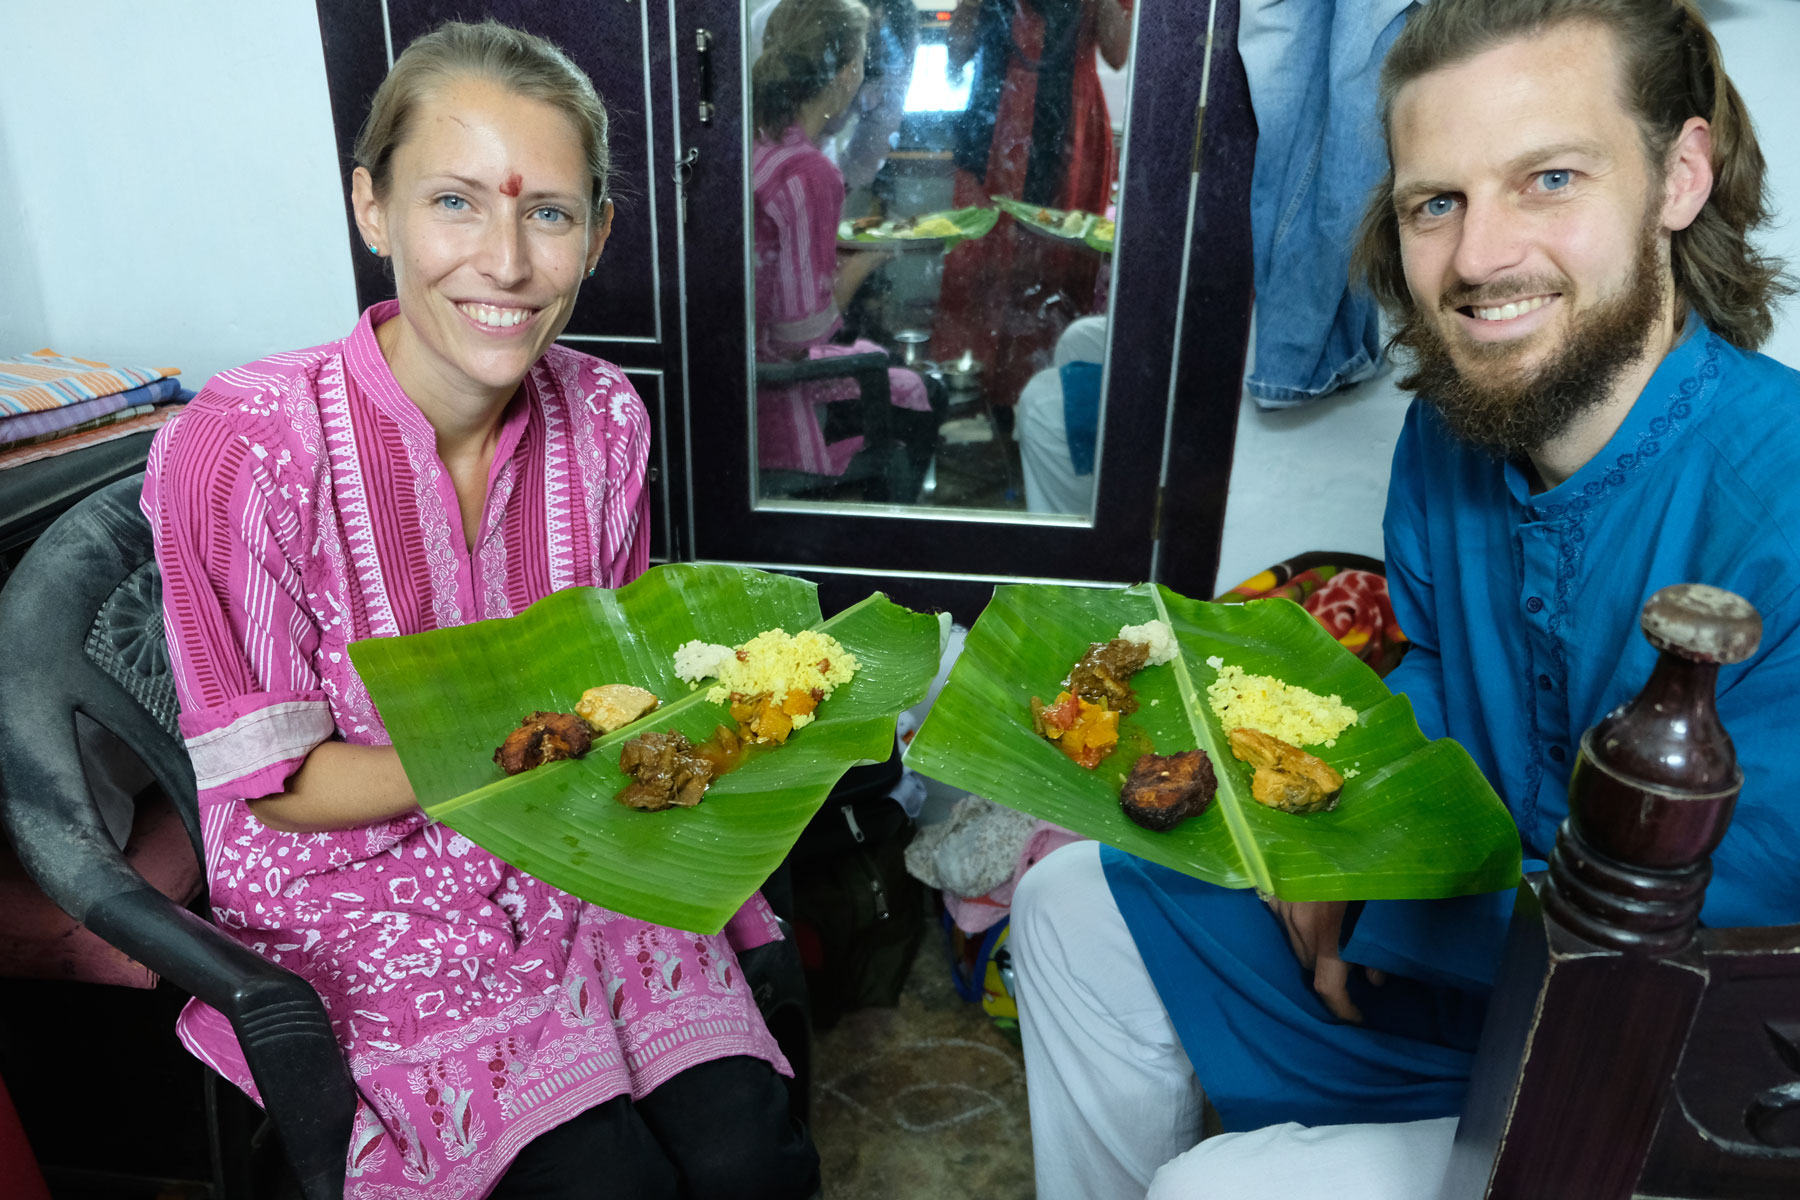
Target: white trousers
[
  {"x": 1051, "y": 484},
  {"x": 1115, "y": 1106},
  {"x": 1402, "y": 1161},
  {"x": 1112, "y": 1094}
]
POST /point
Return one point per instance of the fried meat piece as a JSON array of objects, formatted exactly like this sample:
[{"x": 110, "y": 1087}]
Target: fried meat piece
[
  {"x": 543, "y": 737},
  {"x": 1287, "y": 777},
  {"x": 1164, "y": 789},
  {"x": 665, "y": 771},
  {"x": 614, "y": 706},
  {"x": 1104, "y": 673}
]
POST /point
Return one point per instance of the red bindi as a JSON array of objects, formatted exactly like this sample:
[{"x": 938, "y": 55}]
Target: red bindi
[{"x": 512, "y": 185}]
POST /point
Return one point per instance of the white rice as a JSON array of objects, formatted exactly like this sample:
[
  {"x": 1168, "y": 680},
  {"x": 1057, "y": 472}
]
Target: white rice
[
  {"x": 1155, "y": 634},
  {"x": 697, "y": 660}
]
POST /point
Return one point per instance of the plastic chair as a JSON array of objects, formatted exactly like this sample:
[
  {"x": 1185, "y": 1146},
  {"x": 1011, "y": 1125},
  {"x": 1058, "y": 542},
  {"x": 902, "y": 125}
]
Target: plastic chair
[
  {"x": 81, "y": 619},
  {"x": 880, "y": 470}
]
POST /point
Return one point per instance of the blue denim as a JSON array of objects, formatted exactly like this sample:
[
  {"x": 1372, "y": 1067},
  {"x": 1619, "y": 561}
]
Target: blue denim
[{"x": 1313, "y": 68}]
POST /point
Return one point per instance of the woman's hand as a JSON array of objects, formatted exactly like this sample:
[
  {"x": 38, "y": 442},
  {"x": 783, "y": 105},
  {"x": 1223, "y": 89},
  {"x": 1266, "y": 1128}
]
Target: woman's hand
[
  {"x": 1313, "y": 929},
  {"x": 339, "y": 786},
  {"x": 854, "y": 266}
]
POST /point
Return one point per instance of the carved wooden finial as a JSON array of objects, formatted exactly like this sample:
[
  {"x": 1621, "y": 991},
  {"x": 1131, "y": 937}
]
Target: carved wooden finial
[
  {"x": 1655, "y": 784},
  {"x": 1702, "y": 623}
]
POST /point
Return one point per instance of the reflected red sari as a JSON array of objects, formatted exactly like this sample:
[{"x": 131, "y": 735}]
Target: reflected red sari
[{"x": 1006, "y": 297}]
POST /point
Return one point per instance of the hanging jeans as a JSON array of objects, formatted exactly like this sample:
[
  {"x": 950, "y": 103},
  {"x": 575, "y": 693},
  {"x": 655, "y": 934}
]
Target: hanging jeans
[{"x": 1313, "y": 67}]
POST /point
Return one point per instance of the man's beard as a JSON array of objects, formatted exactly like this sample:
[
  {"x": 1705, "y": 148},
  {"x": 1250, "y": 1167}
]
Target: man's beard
[{"x": 1509, "y": 412}]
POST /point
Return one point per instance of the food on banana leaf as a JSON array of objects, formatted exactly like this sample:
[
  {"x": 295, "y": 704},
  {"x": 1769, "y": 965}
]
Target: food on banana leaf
[
  {"x": 773, "y": 662},
  {"x": 543, "y": 737},
  {"x": 1165, "y": 789},
  {"x": 1281, "y": 710},
  {"x": 766, "y": 717},
  {"x": 774, "y": 682},
  {"x": 1103, "y": 676},
  {"x": 1081, "y": 729},
  {"x": 1157, "y": 638},
  {"x": 1068, "y": 222},
  {"x": 922, "y": 225},
  {"x": 666, "y": 772},
  {"x": 614, "y": 706},
  {"x": 1084, "y": 721},
  {"x": 1287, "y": 777}
]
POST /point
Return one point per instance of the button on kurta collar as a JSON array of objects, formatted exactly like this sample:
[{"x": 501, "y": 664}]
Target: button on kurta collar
[{"x": 1671, "y": 402}]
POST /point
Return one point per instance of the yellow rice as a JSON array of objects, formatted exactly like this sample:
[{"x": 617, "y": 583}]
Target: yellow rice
[
  {"x": 1281, "y": 710},
  {"x": 779, "y": 662}
]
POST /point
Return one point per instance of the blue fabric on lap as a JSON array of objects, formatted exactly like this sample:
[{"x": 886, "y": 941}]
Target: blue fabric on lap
[
  {"x": 1081, "y": 412},
  {"x": 1454, "y": 943},
  {"x": 1263, "y": 1044}
]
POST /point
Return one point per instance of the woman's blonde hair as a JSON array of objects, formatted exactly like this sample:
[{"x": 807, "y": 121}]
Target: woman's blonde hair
[
  {"x": 522, "y": 63},
  {"x": 805, "y": 45},
  {"x": 1671, "y": 70}
]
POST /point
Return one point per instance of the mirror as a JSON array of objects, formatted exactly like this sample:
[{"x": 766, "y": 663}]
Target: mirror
[{"x": 933, "y": 195}]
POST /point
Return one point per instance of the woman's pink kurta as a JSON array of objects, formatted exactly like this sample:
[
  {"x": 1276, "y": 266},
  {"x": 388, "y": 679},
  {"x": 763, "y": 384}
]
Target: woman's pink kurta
[
  {"x": 299, "y": 504},
  {"x": 799, "y": 200}
]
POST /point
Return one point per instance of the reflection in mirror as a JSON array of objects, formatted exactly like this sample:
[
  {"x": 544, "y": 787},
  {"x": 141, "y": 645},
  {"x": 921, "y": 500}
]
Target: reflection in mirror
[{"x": 933, "y": 197}]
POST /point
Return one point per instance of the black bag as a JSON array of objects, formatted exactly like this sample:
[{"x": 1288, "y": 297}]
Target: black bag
[{"x": 858, "y": 916}]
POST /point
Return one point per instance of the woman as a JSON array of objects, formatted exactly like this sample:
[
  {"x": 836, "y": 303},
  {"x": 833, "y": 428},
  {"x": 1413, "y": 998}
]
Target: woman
[
  {"x": 810, "y": 70},
  {"x": 445, "y": 463},
  {"x": 1036, "y": 130}
]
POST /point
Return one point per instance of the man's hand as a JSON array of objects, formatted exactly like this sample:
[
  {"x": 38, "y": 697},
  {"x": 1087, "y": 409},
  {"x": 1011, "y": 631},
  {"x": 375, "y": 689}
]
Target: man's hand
[{"x": 1313, "y": 930}]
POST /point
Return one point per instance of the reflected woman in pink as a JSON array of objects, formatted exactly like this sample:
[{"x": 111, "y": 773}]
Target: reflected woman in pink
[{"x": 809, "y": 72}]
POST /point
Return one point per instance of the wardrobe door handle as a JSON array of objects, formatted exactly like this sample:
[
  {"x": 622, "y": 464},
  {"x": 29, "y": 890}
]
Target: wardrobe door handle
[{"x": 703, "y": 41}]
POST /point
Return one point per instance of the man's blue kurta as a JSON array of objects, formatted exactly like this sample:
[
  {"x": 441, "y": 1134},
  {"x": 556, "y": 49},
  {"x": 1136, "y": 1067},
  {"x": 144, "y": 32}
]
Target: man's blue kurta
[{"x": 1523, "y": 613}]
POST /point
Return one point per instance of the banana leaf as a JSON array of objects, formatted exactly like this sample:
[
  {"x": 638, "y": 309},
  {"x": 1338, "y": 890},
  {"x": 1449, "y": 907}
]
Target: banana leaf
[
  {"x": 449, "y": 696},
  {"x": 1101, "y": 235},
  {"x": 1415, "y": 820},
  {"x": 1062, "y": 224},
  {"x": 972, "y": 222}
]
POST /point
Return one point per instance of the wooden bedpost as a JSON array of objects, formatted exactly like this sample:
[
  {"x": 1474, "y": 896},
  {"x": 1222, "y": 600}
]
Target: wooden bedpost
[{"x": 1602, "y": 973}]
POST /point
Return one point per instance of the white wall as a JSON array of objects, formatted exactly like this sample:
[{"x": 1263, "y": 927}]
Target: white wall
[
  {"x": 1316, "y": 478},
  {"x": 173, "y": 180},
  {"x": 21, "y": 295},
  {"x": 175, "y": 201}
]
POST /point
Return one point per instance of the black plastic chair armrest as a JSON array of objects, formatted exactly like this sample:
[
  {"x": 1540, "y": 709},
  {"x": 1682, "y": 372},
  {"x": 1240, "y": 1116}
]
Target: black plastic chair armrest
[
  {"x": 802, "y": 370},
  {"x": 280, "y": 1023},
  {"x": 279, "y": 1019},
  {"x": 871, "y": 374}
]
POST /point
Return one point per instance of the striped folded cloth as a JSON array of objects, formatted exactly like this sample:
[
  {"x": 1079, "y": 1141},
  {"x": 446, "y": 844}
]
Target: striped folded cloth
[
  {"x": 24, "y": 426},
  {"x": 45, "y": 380},
  {"x": 144, "y": 422}
]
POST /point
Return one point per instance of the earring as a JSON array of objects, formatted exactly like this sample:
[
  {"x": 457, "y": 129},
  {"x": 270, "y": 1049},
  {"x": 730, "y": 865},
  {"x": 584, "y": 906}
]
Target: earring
[
  {"x": 591, "y": 271},
  {"x": 372, "y": 249}
]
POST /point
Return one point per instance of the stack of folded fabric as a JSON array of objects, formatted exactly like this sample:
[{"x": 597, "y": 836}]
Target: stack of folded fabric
[{"x": 51, "y": 404}]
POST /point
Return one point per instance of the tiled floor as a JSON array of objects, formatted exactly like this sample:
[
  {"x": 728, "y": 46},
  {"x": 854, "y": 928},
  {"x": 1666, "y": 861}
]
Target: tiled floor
[{"x": 925, "y": 1100}]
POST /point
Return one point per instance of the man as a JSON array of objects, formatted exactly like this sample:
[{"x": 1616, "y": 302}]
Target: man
[{"x": 1562, "y": 241}]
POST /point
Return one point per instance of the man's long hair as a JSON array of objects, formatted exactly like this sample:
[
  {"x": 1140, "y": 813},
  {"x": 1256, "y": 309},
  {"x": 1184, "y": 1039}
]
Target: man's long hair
[{"x": 1671, "y": 70}]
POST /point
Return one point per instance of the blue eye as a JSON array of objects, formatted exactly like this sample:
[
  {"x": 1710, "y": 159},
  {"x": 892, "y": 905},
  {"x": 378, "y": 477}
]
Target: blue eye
[
  {"x": 551, "y": 214},
  {"x": 1439, "y": 206},
  {"x": 453, "y": 203},
  {"x": 1555, "y": 181}
]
